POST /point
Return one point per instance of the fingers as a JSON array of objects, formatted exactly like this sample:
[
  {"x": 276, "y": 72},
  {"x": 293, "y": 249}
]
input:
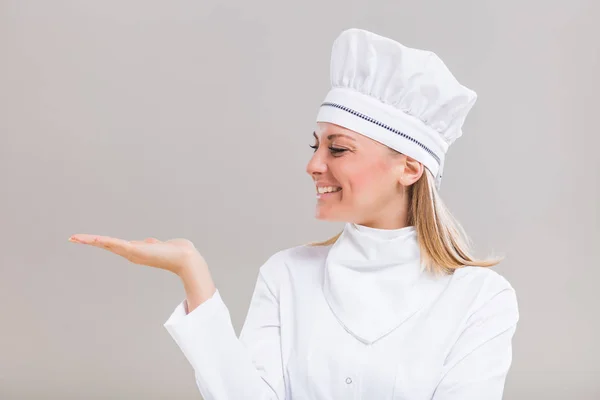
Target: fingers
[
  {"x": 145, "y": 241},
  {"x": 150, "y": 251},
  {"x": 102, "y": 241},
  {"x": 118, "y": 246},
  {"x": 121, "y": 247}
]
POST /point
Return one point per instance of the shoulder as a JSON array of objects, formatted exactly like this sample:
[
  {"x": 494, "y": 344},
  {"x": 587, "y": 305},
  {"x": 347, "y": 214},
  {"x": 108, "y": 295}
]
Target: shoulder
[
  {"x": 481, "y": 278},
  {"x": 301, "y": 254},
  {"x": 485, "y": 288},
  {"x": 293, "y": 263}
]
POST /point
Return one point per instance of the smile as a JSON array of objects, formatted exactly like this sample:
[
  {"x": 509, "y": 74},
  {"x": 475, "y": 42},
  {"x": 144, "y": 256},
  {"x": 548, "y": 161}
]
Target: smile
[
  {"x": 328, "y": 189},
  {"x": 325, "y": 195}
]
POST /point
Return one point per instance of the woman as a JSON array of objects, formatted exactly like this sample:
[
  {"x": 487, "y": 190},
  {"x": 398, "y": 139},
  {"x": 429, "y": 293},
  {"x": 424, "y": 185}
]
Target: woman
[{"x": 394, "y": 307}]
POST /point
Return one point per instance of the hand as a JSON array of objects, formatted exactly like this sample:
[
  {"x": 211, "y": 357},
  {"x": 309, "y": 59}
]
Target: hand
[{"x": 174, "y": 255}]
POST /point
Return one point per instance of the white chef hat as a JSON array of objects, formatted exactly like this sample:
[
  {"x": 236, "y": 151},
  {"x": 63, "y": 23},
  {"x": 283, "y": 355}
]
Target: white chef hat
[{"x": 402, "y": 97}]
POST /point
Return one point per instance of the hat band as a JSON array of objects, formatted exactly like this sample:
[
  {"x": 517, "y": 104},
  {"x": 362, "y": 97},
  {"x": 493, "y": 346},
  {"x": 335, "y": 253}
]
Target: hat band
[{"x": 383, "y": 123}]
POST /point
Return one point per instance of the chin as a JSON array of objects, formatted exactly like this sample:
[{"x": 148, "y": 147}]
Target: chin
[{"x": 325, "y": 214}]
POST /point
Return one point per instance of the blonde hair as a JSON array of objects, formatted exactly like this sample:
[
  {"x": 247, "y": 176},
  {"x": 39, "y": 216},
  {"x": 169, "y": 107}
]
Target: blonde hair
[{"x": 443, "y": 243}]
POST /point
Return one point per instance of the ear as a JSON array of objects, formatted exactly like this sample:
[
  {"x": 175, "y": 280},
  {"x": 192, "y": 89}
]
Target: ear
[{"x": 413, "y": 170}]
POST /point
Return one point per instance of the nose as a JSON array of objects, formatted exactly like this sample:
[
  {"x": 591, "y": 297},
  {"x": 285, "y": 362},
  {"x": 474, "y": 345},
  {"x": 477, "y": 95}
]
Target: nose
[{"x": 316, "y": 165}]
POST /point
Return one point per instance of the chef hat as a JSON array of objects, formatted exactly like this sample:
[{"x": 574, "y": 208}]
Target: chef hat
[{"x": 402, "y": 97}]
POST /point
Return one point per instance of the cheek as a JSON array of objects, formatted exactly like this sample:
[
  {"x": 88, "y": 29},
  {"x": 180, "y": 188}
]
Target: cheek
[
  {"x": 368, "y": 181},
  {"x": 361, "y": 182}
]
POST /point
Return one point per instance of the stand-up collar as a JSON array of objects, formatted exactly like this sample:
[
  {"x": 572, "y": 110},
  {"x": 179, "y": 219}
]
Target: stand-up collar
[{"x": 374, "y": 281}]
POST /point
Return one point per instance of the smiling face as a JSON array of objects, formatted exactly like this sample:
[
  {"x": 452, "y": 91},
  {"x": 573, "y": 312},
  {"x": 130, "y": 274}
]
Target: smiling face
[{"x": 372, "y": 178}]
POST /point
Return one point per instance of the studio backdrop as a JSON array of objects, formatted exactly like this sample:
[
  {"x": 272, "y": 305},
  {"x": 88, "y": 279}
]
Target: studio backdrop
[{"x": 193, "y": 119}]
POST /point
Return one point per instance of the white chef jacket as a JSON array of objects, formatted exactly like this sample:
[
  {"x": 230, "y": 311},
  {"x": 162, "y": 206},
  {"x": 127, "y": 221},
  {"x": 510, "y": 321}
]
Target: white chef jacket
[{"x": 359, "y": 319}]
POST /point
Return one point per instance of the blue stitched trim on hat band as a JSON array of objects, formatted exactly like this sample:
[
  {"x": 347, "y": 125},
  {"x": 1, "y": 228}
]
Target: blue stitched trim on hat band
[{"x": 381, "y": 124}]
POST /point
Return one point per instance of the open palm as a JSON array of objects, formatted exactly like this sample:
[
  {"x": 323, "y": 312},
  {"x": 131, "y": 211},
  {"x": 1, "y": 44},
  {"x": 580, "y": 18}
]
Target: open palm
[{"x": 170, "y": 255}]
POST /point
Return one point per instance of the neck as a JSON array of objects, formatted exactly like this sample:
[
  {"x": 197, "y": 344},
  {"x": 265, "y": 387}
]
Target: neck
[
  {"x": 386, "y": 223},
  {"x": 388, "y": 217}
]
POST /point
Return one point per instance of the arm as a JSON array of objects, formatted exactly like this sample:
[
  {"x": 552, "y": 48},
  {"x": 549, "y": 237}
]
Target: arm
[
  {"x": 227, "y": 367},
  {"x": 479, "y": 361}
]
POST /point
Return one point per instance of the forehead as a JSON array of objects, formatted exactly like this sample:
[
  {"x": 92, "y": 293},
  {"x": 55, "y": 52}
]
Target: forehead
[{"x": 329, "y": 131}]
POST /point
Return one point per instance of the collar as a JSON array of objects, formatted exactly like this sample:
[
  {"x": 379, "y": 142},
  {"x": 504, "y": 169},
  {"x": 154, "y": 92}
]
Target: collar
[{"x": 374, "y": 281}]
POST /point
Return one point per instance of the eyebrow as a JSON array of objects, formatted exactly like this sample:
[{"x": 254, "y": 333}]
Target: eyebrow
[{"x": 333, "y": 135}]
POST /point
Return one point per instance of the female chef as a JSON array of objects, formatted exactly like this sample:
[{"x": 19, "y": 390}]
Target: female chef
[{"x": 394, "y": 306}]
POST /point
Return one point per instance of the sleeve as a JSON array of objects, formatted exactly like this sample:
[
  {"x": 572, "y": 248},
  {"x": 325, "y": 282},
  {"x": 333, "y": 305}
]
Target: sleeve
[
  {"x": 478, "y": 363},
  {"x": 225, "y": 367}
]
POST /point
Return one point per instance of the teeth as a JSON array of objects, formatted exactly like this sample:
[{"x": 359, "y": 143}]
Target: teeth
[{"x": 328, "y": 189}]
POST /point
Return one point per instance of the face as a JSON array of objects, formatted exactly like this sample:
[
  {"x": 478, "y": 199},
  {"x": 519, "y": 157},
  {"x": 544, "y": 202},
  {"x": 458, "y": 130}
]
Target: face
[{"x": 369, "y": 178}]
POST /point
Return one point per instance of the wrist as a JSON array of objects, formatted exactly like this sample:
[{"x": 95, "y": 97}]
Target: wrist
[
  {"x": 197, "y": 282},
  {"x": 192, "y": 265}
]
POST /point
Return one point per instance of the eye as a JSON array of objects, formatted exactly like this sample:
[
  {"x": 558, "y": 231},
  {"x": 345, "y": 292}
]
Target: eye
[
  {"x": 333, "y": 150},
  {"x": 336, "y": 150}
]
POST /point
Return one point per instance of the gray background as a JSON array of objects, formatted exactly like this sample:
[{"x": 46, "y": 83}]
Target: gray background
[{"x": 138, "y": 118}]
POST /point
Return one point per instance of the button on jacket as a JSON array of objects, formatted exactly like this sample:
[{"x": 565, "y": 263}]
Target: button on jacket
[{"x": 359, "y": 319}]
